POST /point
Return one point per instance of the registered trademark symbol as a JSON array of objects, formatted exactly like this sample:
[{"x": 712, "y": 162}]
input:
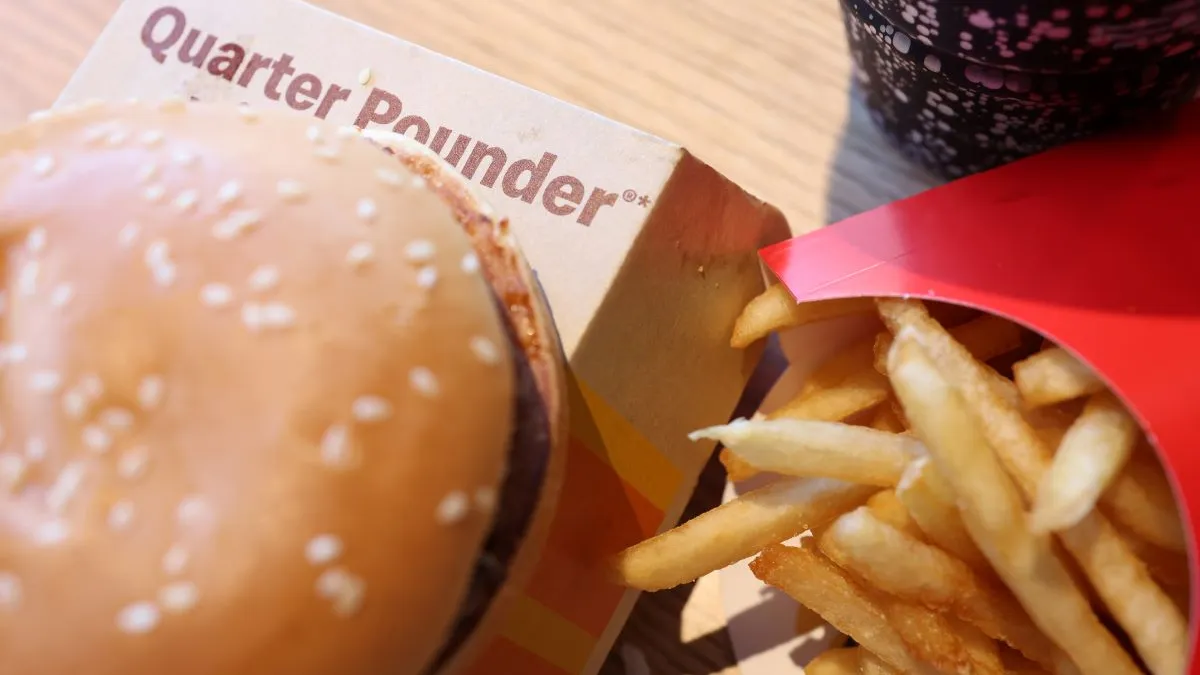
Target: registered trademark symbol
[{"x": 629, "y": 196}]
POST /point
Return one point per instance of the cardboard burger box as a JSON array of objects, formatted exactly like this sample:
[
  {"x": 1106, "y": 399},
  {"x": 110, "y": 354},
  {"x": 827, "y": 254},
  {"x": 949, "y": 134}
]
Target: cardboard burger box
[
  {"x": 645, "y": 253},
  {"x": 1093, "y": 245}
]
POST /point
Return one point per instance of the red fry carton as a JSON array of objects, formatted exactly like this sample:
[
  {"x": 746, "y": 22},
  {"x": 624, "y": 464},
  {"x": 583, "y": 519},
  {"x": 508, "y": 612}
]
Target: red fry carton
[
  {"x": 1094, "y": 245},
  {"x": 645, "y": 253}
]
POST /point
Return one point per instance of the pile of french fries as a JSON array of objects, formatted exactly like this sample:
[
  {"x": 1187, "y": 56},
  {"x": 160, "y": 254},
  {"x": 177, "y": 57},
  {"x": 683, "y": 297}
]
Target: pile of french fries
[{"x": 952, "y": 520}]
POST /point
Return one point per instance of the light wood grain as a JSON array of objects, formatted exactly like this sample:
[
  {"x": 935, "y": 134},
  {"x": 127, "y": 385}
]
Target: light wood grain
[{"x": 758, "y": 88}]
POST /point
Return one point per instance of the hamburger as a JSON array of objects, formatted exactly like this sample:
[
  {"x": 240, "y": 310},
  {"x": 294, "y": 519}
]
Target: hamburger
[{"x": 277, "y": 399}]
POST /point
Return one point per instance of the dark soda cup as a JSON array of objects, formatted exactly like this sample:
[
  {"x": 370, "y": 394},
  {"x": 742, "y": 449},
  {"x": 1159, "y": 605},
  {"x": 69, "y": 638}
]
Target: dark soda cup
[{"x": 964, "y": 86}]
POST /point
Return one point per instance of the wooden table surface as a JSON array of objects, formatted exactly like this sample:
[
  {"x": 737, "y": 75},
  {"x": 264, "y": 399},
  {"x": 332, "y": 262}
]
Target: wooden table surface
[{"x": 758, "y": 88}]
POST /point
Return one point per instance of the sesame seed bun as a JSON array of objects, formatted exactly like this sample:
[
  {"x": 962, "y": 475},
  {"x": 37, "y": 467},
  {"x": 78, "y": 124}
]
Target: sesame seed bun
[{"x": 270, "y": 396}]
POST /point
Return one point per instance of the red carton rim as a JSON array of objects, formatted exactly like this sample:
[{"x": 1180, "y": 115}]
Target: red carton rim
[{"x": 1096, "y": 245}]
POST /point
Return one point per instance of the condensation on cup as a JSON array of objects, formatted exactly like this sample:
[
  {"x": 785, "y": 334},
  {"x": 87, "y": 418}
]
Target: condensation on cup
[{"x": 961, "y": 87}]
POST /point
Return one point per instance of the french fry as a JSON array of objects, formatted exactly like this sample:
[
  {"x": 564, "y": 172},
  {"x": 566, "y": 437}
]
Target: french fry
[
  {"x": 870, "y": 664},
  {"x": 888, "y": 508},
  {"x": 816, "y": 582},
  {"x": 886, "y": 419},
  {"x": 845, "y": 661},
  {"x": 929, "y": 500},
  {"x": 1152, "y": 621},
  {"x": 858, "y": 393},
  {"x": 948, "y": 644},
  {"x": 776, "y": 309},
  {"x": 1052, "y": 376},
  {"x": 736, "y": 468},
  {"x": 735, "y": 531},
  {"x": 1091, "y": 455},
  {"x": 811, "y": 449},
  {"x": 985, "y": 337},
  {"x": 894, "y": 562},
  {"x": 851, "y": 360},
  {"x": 1016, "y": 664},
  {"x": 1142, "y": 500},
  {"x": 990, "y": 503}
]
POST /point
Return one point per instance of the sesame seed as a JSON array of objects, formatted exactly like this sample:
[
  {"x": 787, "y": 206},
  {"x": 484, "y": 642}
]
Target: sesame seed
[
  {"x": 470, "y": 263},
  {"x": 65, "y": 486},
  {"x": 323, "y": 549},
  {"x": 366, "y": 209},
  {"x": 335, "y": 446},
  {"x": 186, "y": 200},
  {"x": 62, "y": 295},
  {"x": 453, "y": 508},
  {"x": 35, "y": 449},
  {"x": 35, "y": 241},
  {"x": 128, "y": 235},
  {"x": 360, "y": 254},
  {"x": 193, "y": 511},
  {"x": 277, "y": 315},
  {"x": 248, "y": 114},
  {"x": 10, "y": 591},
  {"x": 120, "y": 516},
  {"x": 427, "y": 277},
  {"x": 420, "y": 251},
  {"x": 364, "y": 76},
  {"x": 371, "y": 409},
  {"x": 389, "y": 177},
  {"x": 12, "y": 469},
  {"x": 419, "y": 183},
  {"x": 229, "y": 193},
  {"x": 157, "y": 253},
  {"x": 424, "y": 382},
  {"x": 91, "y": 385},
  {"x": 45, "y": 381},
  {"x": 154, "y": 193},
  {"x": 485, "y": 350},
  {"x": 150, "y": 391},
  {"x": 179, "y": 597},
  {"x": 151, "y": 138},
  {"x": 117, "y": 419},
  {"x": 147, "y": 173},
  {"x": 96, "y": 439},
  {"x": 75, "y": 404},
  {"x": 485, "y": 499},
  {"x": 16, "y": 353},
  {"x": 184, "y": 157},
  {"x": 175, "y": 560},
  {"x": 290, "y": 190},
  {"x": 94, "y": 133},
  {"x": 173, "y": 104},
  {"x": 132, "y": 463},
  {"x": 328, "y": 153},
  {"x": 117, "y": 137},
  {"x": 314, "y": 133},
  {"x": 51, "y": 533},
  {"x": 43, "y": 166},
  {"x": 216, "y": 295},
  {"x": 348, "y": 131},
  {"x": 236, "y": 224},
  {"x": 264, "y": 278},
  {"x": 28, "y": 277},
  {"x": 165, "y": 274},
  {"x": 344, "y": 590},
  {"x": 139, "y": 618},
  {"x": 39, "y": 116}
]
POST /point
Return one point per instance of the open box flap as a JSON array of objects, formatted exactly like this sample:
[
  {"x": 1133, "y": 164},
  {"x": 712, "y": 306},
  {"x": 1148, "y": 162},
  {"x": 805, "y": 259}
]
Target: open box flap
[{"x": 1096, "y": 245}]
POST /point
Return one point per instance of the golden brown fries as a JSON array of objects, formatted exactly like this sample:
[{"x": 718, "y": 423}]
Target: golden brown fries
[
  {"x": 1052, "y": 376},
  {"x": 776, "y": 309},
  {"x": 844, "y": 661},
  {"x": 736, "y": 530},
  {"x": 992, "y": 511},
  {"x": 894, "y": 562},
  {"x": 931, "y": 504},
  {"x": 817, "y": 449},
  {"x": 959, "y": 518},
  {"x": 1092, "y": 453},
  {"x": 815, "y": 582}
]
